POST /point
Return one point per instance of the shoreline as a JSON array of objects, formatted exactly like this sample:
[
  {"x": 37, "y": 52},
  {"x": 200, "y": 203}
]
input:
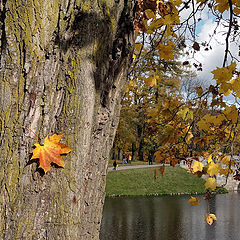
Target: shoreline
[
  {"x": 164, "y": 194},
  {"x": 142, "y": 182}
]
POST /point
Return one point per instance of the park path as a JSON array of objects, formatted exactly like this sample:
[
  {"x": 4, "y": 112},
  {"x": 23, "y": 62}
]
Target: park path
[
  {"x": 141, "y": 166},
  {"x": 133, "y": 167}
]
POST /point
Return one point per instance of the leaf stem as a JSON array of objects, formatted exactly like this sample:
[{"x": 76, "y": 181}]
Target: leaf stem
[{"x": 39, "y": 140}]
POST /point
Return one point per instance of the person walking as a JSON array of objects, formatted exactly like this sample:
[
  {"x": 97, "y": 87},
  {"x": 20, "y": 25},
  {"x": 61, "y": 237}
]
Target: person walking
[
  {"x": 129, "y": 158},
  {"x": 115, "y": 165},
  {"x": 150, "y": 159},
  {"x": 124, "y": 159}
]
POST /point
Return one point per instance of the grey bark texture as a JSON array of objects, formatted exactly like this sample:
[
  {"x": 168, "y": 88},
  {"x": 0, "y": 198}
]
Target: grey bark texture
[{"x": 63, "y": 69}]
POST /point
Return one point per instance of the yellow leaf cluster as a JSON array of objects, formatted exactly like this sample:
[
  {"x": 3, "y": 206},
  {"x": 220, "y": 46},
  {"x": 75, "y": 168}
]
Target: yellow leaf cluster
[
  {"x": 222, "y": 5},
  {"x": 208, "y": 120},
  {"x": 210, "y": 217}
]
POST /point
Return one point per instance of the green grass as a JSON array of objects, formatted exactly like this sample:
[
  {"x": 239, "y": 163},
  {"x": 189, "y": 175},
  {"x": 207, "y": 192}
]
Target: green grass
[{"x": 141, "y": 182}]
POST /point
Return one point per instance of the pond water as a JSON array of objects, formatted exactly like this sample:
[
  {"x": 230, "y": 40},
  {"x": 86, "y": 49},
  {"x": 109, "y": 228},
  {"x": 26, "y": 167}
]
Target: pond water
[{"x": 170, "y": 218}]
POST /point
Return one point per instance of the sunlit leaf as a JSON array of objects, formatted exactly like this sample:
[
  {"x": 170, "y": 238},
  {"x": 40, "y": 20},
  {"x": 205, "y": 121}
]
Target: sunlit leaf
[
  {"x": 194, "y": 201},
  {"x": 211, "y": 183},
  {"x": 50, "y": 152},
  {"x": 197, "y": 166},
  {"x": 210, "y": 217},
  {"x": 213, "y": 169}
]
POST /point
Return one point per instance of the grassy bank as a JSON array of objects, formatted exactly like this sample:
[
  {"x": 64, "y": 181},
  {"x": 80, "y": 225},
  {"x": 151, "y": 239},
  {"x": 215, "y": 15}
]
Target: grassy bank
[{"x": 141, "y": 182}]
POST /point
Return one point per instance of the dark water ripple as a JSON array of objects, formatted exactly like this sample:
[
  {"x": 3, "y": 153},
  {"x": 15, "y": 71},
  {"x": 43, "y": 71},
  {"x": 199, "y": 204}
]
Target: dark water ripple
[{"x": 170, "y": 218}]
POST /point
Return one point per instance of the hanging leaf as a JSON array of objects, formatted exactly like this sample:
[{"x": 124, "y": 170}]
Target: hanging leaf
[
  {"x": 210, "y": 217},
  {"x": 211, "y": 183},
  {"x": 196, "y": 46},
  {"x": 155, "y": 174},
  {"x": 194, "y": 201},
  {"x": 161, "y": 169}
]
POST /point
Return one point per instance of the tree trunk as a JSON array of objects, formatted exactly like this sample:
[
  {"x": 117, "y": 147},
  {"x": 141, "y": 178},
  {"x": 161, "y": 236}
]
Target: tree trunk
[{"x": 63, "y": 70}]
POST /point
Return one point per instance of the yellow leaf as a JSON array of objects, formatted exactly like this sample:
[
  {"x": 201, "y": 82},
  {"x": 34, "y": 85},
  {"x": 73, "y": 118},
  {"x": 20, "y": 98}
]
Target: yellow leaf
[
  {"x": 225, "y": 171},
  {"x": 194, "y": 201},
  {"x": 210, "y": 217},
  {"x": 231, "y": 113},
  {"x": 236, "y": 11},
  {"x": 211, "y": 183},
  {"x": 185, "y": 114},
  {"x": 138, "y": 46},
  {"x": 134, "y": 56},
  {"x": 213, "y": 169},
  {"x": 176, "y": 2},
  {"x": 189, "y": 137},
  {"x": 166, "y": 51},
  {"x": 225, "y": 88},
  {"x": 203, "y": 125},
  {"x": 197, "y": 166},
  {"x": 210, "y": 158},
  {"x": 150, "y": 14},
  {"x": 235, "y": 84},
  {"x": 152, "y": 80},
  {"x": 224, "y": 74}
]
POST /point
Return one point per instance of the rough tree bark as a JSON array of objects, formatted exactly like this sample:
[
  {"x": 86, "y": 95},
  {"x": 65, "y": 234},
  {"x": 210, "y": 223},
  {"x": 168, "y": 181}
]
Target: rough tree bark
[{"x": 63, "y": 70}]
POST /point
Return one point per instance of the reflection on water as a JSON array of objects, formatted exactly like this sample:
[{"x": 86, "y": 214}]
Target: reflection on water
[{"x": 170, "y": 218}]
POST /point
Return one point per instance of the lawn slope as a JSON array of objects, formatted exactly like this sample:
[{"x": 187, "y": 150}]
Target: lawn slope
[{"x": 141, "y": 182}]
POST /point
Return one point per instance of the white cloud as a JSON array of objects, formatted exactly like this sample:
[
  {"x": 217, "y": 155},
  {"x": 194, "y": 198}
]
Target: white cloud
[{"x": 214, "y": 57}]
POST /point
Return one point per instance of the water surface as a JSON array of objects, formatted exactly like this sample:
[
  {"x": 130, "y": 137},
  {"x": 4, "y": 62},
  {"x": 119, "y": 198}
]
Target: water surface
[{"x": 170, "y": 218}]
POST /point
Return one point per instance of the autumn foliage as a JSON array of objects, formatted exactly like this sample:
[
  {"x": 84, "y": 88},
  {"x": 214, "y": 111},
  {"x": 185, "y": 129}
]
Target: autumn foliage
[{"x": 201, "y": 129}]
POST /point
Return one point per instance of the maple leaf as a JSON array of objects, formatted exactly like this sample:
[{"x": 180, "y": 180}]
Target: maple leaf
[
  {"x": 197, "y": 166},
  {"x": 194, "y": 201},
  {"x": 213, "y": 168},
  {"x": 50, "y": 152},
  {"x": 166, "y": 51},
  {"x": 224, "y": 74},
  {"x": 211, "y": 183},
  {"x": 210, "y": 217}
]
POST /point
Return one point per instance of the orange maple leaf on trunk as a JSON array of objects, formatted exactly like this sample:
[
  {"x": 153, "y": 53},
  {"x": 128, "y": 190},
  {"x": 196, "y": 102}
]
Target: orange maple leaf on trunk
[{"x": 50, "y": 152}]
